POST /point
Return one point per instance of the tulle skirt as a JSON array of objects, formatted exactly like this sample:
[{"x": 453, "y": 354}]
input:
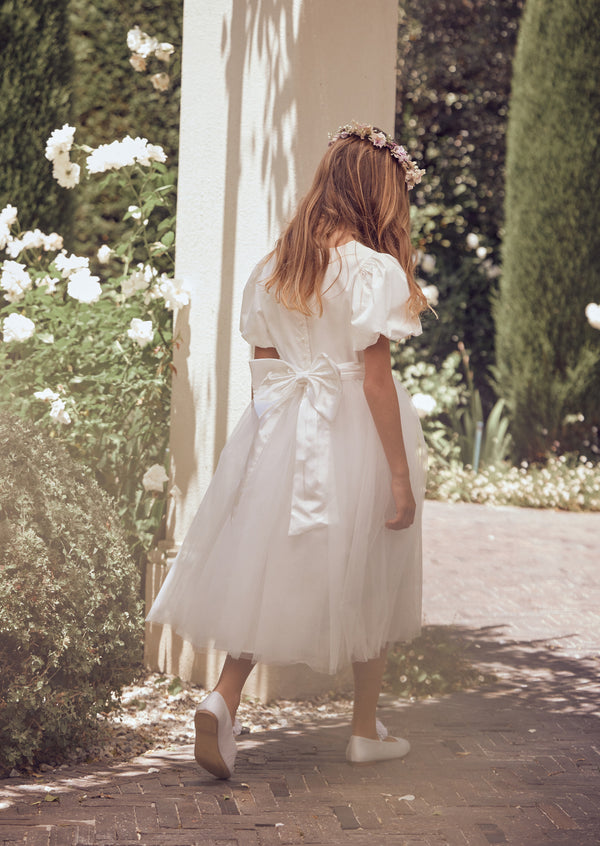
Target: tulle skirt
[{"x": 327, "y": 596}]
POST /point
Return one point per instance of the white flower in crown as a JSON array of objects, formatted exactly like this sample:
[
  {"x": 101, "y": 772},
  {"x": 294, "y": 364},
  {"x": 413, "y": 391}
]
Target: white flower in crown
[
  {"x": 412, "y": 174},
  {"x": 17, "y": 327},
  {"x": 154, "y": 478}
]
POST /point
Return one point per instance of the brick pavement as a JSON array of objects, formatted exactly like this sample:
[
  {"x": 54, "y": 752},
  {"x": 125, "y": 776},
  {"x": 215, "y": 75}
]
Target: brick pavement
[{"x": 517, "y": 762}]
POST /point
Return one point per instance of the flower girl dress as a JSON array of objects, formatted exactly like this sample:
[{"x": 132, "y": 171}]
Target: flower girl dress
[{"x": 288, "y": 558}]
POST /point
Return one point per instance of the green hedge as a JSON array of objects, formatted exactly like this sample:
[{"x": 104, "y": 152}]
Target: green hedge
[
  {"x": 70, "y": 624},
  {"x": 547, "y": 353},
  {"x": 35, "y": 98}
]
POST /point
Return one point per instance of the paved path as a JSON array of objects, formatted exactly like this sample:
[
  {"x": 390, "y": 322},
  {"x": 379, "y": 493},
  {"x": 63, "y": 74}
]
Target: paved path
[{"x": 518, "y": 762}]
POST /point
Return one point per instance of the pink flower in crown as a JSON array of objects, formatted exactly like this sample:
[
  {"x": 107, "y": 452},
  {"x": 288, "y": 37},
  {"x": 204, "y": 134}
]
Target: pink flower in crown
[
  {"x": 378, "y": 139},
  {"x": 399, "y": 152}
]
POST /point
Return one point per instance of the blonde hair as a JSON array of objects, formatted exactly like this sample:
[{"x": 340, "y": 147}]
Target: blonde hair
[{"x": 359, "y": 189}]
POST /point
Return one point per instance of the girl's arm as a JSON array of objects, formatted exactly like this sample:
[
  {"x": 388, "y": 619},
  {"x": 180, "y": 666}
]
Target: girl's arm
[{"x": 382, "y": 398}]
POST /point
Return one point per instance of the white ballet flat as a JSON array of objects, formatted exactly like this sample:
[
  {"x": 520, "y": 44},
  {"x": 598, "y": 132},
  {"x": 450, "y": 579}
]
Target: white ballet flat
[
  {"x": 215, "y": 747},
  {"x": 361, "y": 750}
]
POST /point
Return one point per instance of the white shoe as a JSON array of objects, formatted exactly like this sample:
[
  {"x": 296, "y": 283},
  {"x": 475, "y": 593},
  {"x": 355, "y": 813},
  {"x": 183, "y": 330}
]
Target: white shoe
[
  {"x": 215, "y": 748},
  {"x": 360, "y": 750}
]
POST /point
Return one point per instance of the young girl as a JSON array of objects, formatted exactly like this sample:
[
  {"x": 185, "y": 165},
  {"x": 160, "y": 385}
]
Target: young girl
[{"x": 307, "y": 545}]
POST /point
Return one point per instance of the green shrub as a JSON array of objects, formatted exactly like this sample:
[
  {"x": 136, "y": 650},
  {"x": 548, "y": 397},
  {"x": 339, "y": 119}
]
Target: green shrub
[
  {"x": 548, "y": 355},
  {"x": 35, "y": 98},
  {"x": 70, "y": 625}
]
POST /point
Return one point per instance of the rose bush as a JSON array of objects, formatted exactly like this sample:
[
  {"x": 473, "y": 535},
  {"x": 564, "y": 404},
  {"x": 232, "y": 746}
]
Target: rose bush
[{"x": 87, "y": 343}]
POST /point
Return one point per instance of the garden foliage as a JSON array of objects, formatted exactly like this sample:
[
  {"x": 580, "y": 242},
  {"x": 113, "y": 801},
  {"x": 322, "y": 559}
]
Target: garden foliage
[
  {"x": 548, "y": 353},
  {"x": 454, "y": 73},
  {"x": 70, "y": 630},
  {"x": 111, "y": 99},
  {"x": 35, "y": 98}
]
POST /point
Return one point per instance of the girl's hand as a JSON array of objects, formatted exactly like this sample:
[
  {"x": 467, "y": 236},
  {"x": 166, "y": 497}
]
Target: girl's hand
[{"x": 405, "y": 504}]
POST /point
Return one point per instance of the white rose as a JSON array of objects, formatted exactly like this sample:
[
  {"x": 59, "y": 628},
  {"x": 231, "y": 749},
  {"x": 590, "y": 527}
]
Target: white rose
[
  {"x": 431, "y": 294},
  {"x": 164, "y": 51},
  {"x": 49, "y": 283},
  {"x": 137, "y": 62},
  {"x": 160, "y": 81},
  {"x": 428, "y": 263},
  {"x": 154, "y": 478},
  {"x": 141, "y": 331},
  {"x": 141, "y": 43},
  {"x": 138, "y": 281},
  {"x": 14, "y": 281},
  {"x": 70, "y": 264},
  {"x": 17, "y": 327},
  {"x": 5, "y": 236},
  {"x": 46, "y": 395},
  {"x": 424, "y": 403},
  {"x": 54, "y": 241},
  {"x": 472, "y": 241},
  {"x": 32, "y": 240},
  {"x": 174, "y": 292},
  {"x": 58, "y": 412},
  {"x": 592, "y": 312},
  {"x": 66, "y": 172},
  {"x": 84, "y": 287},
  {"x": 104, "y": 253},
  {"x": 60, "y": 141},
  {"x": 8, "y": 215}
]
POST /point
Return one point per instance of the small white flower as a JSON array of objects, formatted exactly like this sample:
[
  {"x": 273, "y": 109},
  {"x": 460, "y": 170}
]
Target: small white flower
[
  {"x": 160, "y": 81},
  {"x": 124, "y": 153},
  {"x": 17, "y": 327},
  {"x": 54, "y": 241},
  {"x": 14, "y": 281},
  {"x": 32, "y": 240},
  {"x": 49, "y": 283},
  {"x": 139, "y": 280},
  {"x": 592, "y": 312},
  {"x": 8, "y": 215},
  {"x": 424, "y": 403},
  {"x": 70, "y": 264},
  {"x": 59, "y": 413},
  {"x": 137, "y": 62},
  {"x": 428, "y": 263},
  {"x": 141, "y": 331},
  {"x": 472, "y": 241},
  {"x": 104, "y": 253},
  {"x": 431, "y": 294},
  {"x": 154, "y": 478},
  {"x": 135, "y": 212},
  {"x": 66, "y": 172},
  {"x": 84, "y": 287},
  {"x": 60, "y": 141},
  {"x": 174, "y": 292},
  {"x": 481, "y": 252},
  {"x": 141, "y": 43},
  {"x": 164, "y": 51},
  {"x": 47, "y": 395},
  {"x": 5, "y": 236}
]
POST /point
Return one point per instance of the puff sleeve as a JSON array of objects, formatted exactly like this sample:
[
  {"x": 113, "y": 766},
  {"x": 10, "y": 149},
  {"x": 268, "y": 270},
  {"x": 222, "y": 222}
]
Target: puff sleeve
[
  {"x": 253, "y": 323},
  {"x": 380, "y": 303}
]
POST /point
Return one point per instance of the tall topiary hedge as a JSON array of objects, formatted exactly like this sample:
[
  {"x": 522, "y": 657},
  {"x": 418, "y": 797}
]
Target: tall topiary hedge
[
  {"x": 548, "y": 355},
  {"x": 35, "y": 98},
  {"x": 70, "y": 624}
]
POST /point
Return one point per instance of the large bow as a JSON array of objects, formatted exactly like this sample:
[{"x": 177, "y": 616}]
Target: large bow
[{"x": 318, "y": 392}]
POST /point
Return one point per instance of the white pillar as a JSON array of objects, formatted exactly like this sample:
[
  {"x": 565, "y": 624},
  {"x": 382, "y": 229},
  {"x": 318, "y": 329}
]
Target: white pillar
[{"x": 262, "y": 85}]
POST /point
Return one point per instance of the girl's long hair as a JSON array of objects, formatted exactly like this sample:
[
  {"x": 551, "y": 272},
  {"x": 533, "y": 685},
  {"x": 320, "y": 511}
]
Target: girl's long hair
[{"x": 359, "y": 189}]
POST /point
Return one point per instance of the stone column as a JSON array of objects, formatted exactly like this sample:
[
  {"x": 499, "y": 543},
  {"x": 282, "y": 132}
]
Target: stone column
[{"x": 262, "y": 85}]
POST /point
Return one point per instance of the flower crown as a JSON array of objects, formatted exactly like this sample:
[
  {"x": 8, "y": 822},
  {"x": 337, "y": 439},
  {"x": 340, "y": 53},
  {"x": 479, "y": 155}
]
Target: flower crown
[{"x": 412, "y": 174}]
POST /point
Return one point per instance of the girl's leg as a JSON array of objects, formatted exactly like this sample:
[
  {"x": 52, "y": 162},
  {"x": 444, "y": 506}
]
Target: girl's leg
[
  {"x": 368, "y": 676},
  {"x": 231, "y": 681}
]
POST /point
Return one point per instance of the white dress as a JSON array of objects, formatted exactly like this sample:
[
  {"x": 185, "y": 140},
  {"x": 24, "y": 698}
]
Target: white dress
[{"x": 288, "y": 559}]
